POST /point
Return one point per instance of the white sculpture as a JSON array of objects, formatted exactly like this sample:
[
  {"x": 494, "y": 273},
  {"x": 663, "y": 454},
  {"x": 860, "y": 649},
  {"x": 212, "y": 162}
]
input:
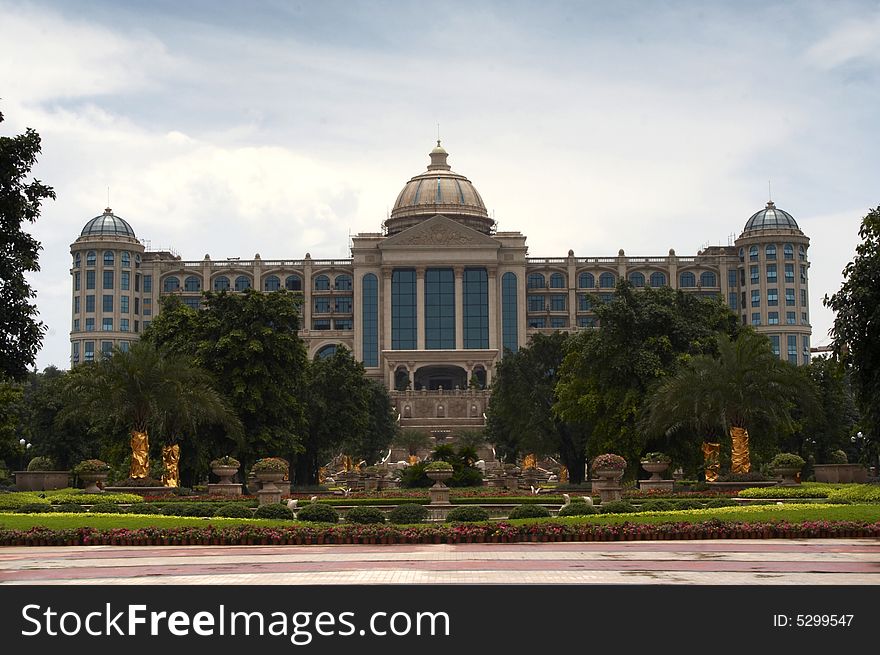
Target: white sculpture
[
  {"x": 314, "y": 499},
  {"x": 567, "y": 499},
  {"x": 291, "y": 504},
  {"x": 588, "y": 500}
]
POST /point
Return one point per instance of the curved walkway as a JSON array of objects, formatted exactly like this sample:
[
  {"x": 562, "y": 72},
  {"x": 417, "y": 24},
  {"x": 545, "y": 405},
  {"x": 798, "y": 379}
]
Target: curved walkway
[{"x": 726, "y": 562}]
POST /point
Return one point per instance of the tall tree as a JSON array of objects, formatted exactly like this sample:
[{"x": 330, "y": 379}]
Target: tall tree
[
  {"x": 21, "y": 334},
  {"x": 856, "y": 330}
]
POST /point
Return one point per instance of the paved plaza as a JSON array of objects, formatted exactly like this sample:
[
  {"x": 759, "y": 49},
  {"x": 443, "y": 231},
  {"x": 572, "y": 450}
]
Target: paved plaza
[{"x": 727, "y": 562}]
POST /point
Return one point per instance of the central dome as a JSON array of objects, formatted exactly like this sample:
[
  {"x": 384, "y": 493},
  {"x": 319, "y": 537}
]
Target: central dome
[
  {"x": 108, "y": 224},
  {"x": 439, "y": 190},
  {"x": 770, "y": 218}
]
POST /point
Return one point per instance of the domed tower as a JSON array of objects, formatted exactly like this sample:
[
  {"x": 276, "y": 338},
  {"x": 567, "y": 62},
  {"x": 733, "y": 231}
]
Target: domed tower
[
  {"x": 439, "y": 190},
  {"x": 106, "y": 287},
  {"x": 773, "y": 275}
]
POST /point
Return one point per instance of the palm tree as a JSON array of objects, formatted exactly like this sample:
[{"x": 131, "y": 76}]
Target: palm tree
[{"x": 744, "y": 385}]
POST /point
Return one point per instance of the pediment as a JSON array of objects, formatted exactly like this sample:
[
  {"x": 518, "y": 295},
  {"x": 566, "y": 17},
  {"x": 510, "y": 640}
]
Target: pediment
[{"x": 440, "y": 232}]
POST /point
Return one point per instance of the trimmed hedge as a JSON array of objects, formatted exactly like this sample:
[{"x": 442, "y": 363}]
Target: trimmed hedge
[
  {"x": 408, "y": 513},
  {"x": 577, "y": 509},
  {"x": 529, "y": 512},
  {"x": 318, "y": 513},
  {"x": 278, "y": 511},
  {"x": 70, "y": 508},
  {"x": 856, "y": 493},
  {"x": 364, "y": 515},
  {"x": 657, "y": 506},
  {"x": 806, "y": 490},
  {"x": 465, "y": 514},
  {"x": 234, "y": 511},
  {"x": 105, "y": 508},
  {"x": 617, "y": 507},
  {"x": 34, "y": 508}
]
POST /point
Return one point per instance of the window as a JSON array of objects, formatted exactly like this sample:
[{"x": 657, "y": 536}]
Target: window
[
  {"x": 343, "y": 324},
  {"x": 125, "y": 280},
  {"x": 146, "y": 325},
  {"x": 535, "y": 303},
  {"x": 148, "y": 307},
  {"x": 90, "y": 279},
  {"x": 756, "y": 318},
  {"x": 107, "y": 303},
  {"x": 804, "y": 319},
  {"x": 76, "y": 325},
  {"x": 106, "y": 348},
  {"x": 89, "y": 351},
  {"x": 586, "y": 321},
  {"x": 148, "y": 284},
  {"x": 326, "y": 351},
  {"x": 123, "y": 304},
  {"x": 790, "y": 318},
  {"x": 475, "y": 306},
  {"x": 123, "y": 346},
  {"x": 806, "y": 351},
  {"x": 108, "y": 279},
  {"x": 74, "y": 352},
  {"x": 90, "y": 303},
  {"x": 708, "y": 279},
  {"x": 108, "y": 258},
  {"x": 171, "y": 284},
  {"x": 658, "y": 280},
  {"x": 789, "y": 273},
  {"x": 242, "y": 282},
  {"x": 272, "y": 283},
  {"x": 731, "y": 299},
  {"x": 193, "y": 302},
  {"x": 754, "y": 274},
  {"x": 803, "y": 297},
  {"x": 606, "y": 297},
  {"x": 77, "y": 260},
  {"x": 137, "y": 305},
  {"x": 774, "y": 344},
  {"x": 788, "y": 251},
  {"x": 584, "y": 303},
  {"x": 403, "y": 309},
  {"x": 343, "y": 305},
  {"x": 557, "y": 281},
  {"x": 192, "y": 283},
  {"x": 789, "y": 297},
  {"x": 687, "y": 280},
  {"x": 742, "y": 254},
  {"x": 322, "y": 283},
  {"x": 136, "y": 324},
  {"x": 123, "y": 325},
  {"x": 509, "y": 327},
  {"x": 369, "y": 319},
  {"x": 756, "y": 298},
  {"x": 535, "y": 281},
  {"x": 742, "y": 277},
  {"x": 107, "y": 324},
  {"x": 126, "y": 259},
  {"x": 137, "y": 264},
  {"x": 773, "y": 318},
  {"x": 91, "y": 258},
  {"x": 558, "y": 322},
  {"x": 343, "y": 282},
  {"x": 753, "y": 253},
  {"x": 321, "y": 324},
  {"x": 322, "y": 305},
  {"x": 220, "y": 283},
  {"x": 76, "y": 281},
  {"x": 802, "y": 253},
  {"x": 637, "y": 279},
  {"x": 537, "y": 322},
  {"x": 76, "y": 304},
  {"x": 293, "y": 283},
  {"x": 792, "y": 348},
  {"x": 557, "y": 303},
  {"x": 606, "y": 280},
  {"x": 770, "y": 252},
  {"x": 771, "y": 273},
  {"x": 439, "y": 309},
  {"x": 803, "y": 274},
  {"x": 90, "y": 325},
  {"x": 586, "y": 281},
  {"x": 772, "y": 297}
]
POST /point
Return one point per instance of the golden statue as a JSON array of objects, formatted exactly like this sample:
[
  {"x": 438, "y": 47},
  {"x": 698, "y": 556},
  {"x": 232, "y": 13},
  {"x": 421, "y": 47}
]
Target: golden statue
[
  {"x": 347, "y": 463},
  {"x": 413, "y": 459},
  {"x": 322, "y": 474},
  {"x": 171, "y": 460},
  {"x": 739, "y": 456},
  {"x": 530, "y": 461},
  {"x": 563, "y": 474},
  {"x": 711, "y": 457},
  {"x": 140, "y": 455}
]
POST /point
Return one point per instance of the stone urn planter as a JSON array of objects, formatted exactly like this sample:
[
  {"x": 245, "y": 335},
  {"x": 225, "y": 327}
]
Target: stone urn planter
[
  {"x": 226, "y": 473},
  {"x": 91, "y": 481},
  {"x": 788, "y": 465},
  {"x": 789, "y": 476},
  {"x": 607, "y": 471},
  {"x": 439, "y": 493},
  {"x": 268, "y": 472},
  {"x": 655, "y": 469},
  {"x": 267, "y": 480}
]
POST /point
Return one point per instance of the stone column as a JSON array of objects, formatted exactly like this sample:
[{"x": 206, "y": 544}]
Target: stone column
[
  {"x": 459, "y": 308},
  {"x": 673, "y": 269},
  {"x": 420, "y": 308},
  {"x": 386, "y": 310},
  {"x": 258, "y": 272},
  {"x": 307, "y": 292},
  {"x": 571, "y": 267},
  {"x": 494, "y": 305}
]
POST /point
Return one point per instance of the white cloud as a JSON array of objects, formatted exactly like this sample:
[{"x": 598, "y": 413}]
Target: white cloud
[{"x": 851, "y": 40}]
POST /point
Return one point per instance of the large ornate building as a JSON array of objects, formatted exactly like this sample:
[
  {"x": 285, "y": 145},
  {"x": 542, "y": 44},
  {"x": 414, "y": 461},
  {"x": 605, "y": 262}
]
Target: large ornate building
[{"x": 429, "y": 304}]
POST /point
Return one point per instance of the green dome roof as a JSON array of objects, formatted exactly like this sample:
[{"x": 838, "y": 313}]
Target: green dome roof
[{"x": 107, "y": 224}]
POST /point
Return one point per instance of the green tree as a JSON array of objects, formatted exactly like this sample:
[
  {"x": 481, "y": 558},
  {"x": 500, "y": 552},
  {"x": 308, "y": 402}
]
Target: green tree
[
  {"x": 521, "y": 416},
  {"x": 21, "y": 334},
  {"x": 856, "y": 330},
  {"x": 412, "y": 441}
]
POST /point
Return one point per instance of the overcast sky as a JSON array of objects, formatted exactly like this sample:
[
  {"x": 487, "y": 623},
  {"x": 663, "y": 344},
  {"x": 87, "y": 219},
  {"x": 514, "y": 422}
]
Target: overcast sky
[{"x": 279, "y": 128}]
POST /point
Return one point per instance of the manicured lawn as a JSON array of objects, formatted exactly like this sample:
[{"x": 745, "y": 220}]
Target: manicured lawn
[{"x": 129, "y": 521}]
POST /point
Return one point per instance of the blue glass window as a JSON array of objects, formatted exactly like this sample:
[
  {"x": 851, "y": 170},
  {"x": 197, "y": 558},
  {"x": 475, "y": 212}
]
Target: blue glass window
[
  {"x": 584, "y": 303},
  {"x": 731, "y": 299},
  {"x": 557, "y": 281},
  {"x": 343, "y": 305},
  {"x": 439, "y": 309},
  {"x": 708, "y": 279},
  {"x": 687, "y": 280},
  {"x": 91, "y": 258},
  {"x": 343, "y": 282},
  {"x": 658, "y": 280},
  {"x": 557, "y": 303},
  {"x": 789, "y": 297},
  {"x": 272, "y": 283},
  {"x": 475, "y": 304},
  {"x": 803, "y": 297},
  {"x": 535, "y": 281},
  {"x": 586, "y": 321},
  {"x": 193, "y": 302},
  {"x": 536, "y": 303},
  {"x": 774, "y": 344},
  {"x": 76, "y": 281},
  {"x": 148, "y": 284},
  {"x": 293, "y": 283},
  {"x": 586, "y": 281},
  {"x": 770, "y": 252},
  {"x": 171, "y": 284},
  {"x": 772, "y": 297},
  {"x": 107, "y": 303},
  {"x": 76, "y": 304},
  {"x": 792, "y": 348},
  {"x": 90, "y": 279},
  {"x": 126, "y": 259},
  {"x": 773, "y": 318},
  {"x": 537, "y": 322},
  {"x": 756, "y": 318},
  {"x": 90, "y": 325},
  {"x": 108, "y": 279},
  {"x": 742, "y": 254},
  {"x": 74, "y": 352},
  {"x": 192, "y": 283},
  {"x": 731, "y": 277},
  {"x": 788, "y": 251},
  {"x": 802, "y": 253},
  {"x": 753, "y": 253},
  {"x": 107, "y": 325},
  {"x": 322, "y": 305},
  {"x": 77, "y": 260},
  {"x": 803, "y": 274},
  {"x": 370, "y": 319},
  {"x": 790, "y": 318},
  {"x": 789, "y": 273},
  {"x": 321, "y": 324},
  {"x": 343, "y": 324},
  {"x": 125, "y": 280},
  {"x": 123, "y": 304},
  {"x": 509, "y": 328},
  {"x": 108, "y": 258},
  {"x": 606, "y": 280},
  {"x": 322, "y": 283},
  {"x": 637, "y": 279},
  {"x": 403, "y": 309},
  {"x": 242, "y": 282},
  {"x": 90, "y": 303},
  {"x": 754, "y": 274},
  {"x": 89, "y": 351},
  {"x": 756, "y": 298},
  {"x": 558, "y": 322},
  {"x": 806, "y": 344},
  {"x": 771, "y": 272},
  {"x": 326, "y": 351},
  {"x": 220, "y": 283}
]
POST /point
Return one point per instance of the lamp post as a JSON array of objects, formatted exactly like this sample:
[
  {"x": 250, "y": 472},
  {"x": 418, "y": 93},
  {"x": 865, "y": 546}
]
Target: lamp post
[{"x": 25, "y": 446}]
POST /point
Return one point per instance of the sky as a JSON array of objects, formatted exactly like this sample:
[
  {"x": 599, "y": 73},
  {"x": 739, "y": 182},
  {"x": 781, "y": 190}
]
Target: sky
[{"x": 280, "y": 128}]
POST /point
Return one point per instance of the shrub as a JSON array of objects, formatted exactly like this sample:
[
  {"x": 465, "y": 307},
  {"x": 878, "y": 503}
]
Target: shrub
[
  {"x": 809, "y": 490},
  {"x": 529, "y": 512},
  {"x": 577, "y": 509},
  {"x": 34, "y": 508},
  {"x": 91, "y": 466},
  {"x": 183, "y": 491},
  {"x": 687, "y": 504},
  {"x": 364, "y": 515},
  {"x": 105, "y": 508},
  {"x": 721, "y": 502},
  {"x": 70, "y": 508},
  {"x": 656, "y": 457},
  {"x": 787, "y": 461},
  {"x": 16, "y": 500},
  {"x": 408, "y": 513},
  {"x": 617, "y": 507},
  {"x": 751, "y": 476},
  {"x": 467, "y": 514},
  {"x": 608, "y": 461},
  {"x": 439, "y": 466},
  {"x": 838, "y": 457},
  {"x": 276, "y": 511},
  {"x": 657, "y": 506},
  {"x": 196, "y": 509},
  {"x": 856, "y": 493},
  {"x": 79, "y": 496},
  {"x": 226, "y": 460},
  {"x": 175, "y": 509},
  {"x": 237, "y": 511},
  {"x": 145, "y": 508},
  {"x": 318, "y": 513},
  {"x": 138, "y": 482},
  {"x": 270, "y": 465},
  {"x": 41, "y": 464}
]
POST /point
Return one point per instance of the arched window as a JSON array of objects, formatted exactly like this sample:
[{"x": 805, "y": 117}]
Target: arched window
[
  {"x": 557, "y": 281},
  {"x": 109, "y": 258},
  {"x": 77, "y": 260},
  {"x": 242, "y": 282},
  {"x": 343, "y": 282},
  {"x": 606, "y": 280},
  {"x": 91, "y": 258},
  {"x": 802, "y": 253},
  {"x": 535, "y": 281},
  {"x": 272, "y": 283},
  {"x": 788, "y": 251},
  {"x": 708, "y": 279},
  {"x": 770, "y": 251},
  {"x": 687, "y": 280},
  {"x": 293, "y": 283},
  {"x": 221, "y": 283},
  {"x": 637, "y": 279},
  {"x": 753, "y": 253},
  {"x": 586, "y": 281},
  {"x": 742, "y": 254},
  {"x": 192, "y": 283},
  {"x": 126, "y": 259},
  {"x": 658, "y": 279},
  {"x": 326, "y": 351},
  {"x": 137, "y": 261},
  {"x": 171, "y": 284},
  {"x": 322, "y": 283}
]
